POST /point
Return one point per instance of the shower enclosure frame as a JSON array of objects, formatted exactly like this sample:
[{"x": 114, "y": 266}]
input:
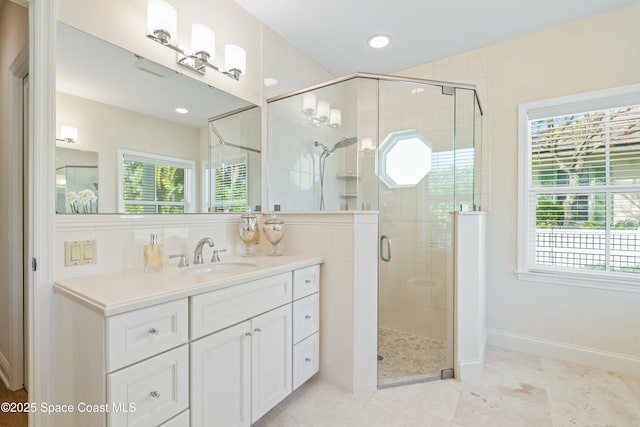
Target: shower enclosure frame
[{"x": 447, "y": 88}]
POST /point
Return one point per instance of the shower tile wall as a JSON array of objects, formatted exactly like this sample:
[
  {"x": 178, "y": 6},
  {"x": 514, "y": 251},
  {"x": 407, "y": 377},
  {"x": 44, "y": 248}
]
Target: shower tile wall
[{"x": 294, "y": 176}]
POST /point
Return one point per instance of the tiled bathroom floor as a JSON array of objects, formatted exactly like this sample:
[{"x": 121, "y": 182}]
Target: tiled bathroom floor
[
  {"x": 407, "y": 356},
  {"x": 517, "y": 390}
]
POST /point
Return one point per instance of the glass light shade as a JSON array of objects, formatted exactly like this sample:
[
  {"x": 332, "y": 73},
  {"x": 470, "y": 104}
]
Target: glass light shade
[
  {"x": 367, "y": 144},
  {"x": 323, "y": 110},
  {"x": 162, "y": 16},
  {"x": 235, "y": 58},
  {"x": 309, "y": 103},
  {"x": 203, "y": 39},
  {"x": 69, "y": 133},
  {"x": 335, "y": 118}
]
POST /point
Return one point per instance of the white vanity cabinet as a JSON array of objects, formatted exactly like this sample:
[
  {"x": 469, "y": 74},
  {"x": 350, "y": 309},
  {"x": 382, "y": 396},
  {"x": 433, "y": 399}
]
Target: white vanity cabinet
[
  {"x": 306, "y": 324},
  {"x": 240, "y": 373},
  {"x": 223, "y": 357}
]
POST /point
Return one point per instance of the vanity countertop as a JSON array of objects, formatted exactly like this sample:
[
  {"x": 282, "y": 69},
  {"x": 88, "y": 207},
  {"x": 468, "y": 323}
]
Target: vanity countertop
[{"x": 116, "y": 293}]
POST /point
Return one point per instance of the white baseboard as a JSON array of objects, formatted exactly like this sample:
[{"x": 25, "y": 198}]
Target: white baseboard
[
  {"x": 4, "y": 370},
  {"x": 571, "y": 353},
  {"x": 472, "y": 369}
]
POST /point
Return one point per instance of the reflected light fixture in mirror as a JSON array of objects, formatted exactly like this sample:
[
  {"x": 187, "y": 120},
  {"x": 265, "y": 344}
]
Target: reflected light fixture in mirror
[
  {"x": 320, "y": 112},
  {"x": 162, "y": 28},
  {"x": 68, "y": 134}
]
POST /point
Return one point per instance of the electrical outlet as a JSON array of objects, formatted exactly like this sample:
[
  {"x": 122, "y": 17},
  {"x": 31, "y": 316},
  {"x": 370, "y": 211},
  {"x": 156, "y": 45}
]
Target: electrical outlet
[{"x": 79, "y": 252}]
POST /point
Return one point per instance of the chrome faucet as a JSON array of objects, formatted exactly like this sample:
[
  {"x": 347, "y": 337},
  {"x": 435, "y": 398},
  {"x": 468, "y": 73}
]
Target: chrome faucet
[{"x": 197, "y": 253}]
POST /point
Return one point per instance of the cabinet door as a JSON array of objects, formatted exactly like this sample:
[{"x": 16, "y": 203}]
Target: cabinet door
[
  {"x": 271, "y": 360},
  {"x": 221, "y": 378}
]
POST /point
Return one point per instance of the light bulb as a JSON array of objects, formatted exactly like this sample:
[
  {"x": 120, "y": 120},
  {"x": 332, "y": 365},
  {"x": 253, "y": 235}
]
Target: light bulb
[
  {"x": 309, "y": 103},
  {"x": 203, "y": 42},
  {"x": 335, "y": 118},
  {"x": 235, "y": 59},
  {"x": 323, "y": 111},
  {"x": 162, "y": 20},
  {"x": 69, "y": 133}
]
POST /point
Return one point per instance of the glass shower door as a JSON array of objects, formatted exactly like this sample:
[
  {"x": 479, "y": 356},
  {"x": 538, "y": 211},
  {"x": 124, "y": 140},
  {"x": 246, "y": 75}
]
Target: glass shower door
[{"x": 415, "y": 168}]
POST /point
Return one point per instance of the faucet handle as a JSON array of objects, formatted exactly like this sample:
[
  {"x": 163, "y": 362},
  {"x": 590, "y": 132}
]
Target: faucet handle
[
  {"x": 216, "y": 255},
  {"x": 183, "y": 259}
]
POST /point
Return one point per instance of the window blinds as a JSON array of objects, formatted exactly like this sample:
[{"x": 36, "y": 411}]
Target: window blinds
[{"x": 585, "y": 186}]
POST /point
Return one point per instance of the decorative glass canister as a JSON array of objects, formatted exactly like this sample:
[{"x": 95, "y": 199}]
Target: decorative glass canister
[
  {"x": 273, "y": 229},
  {"x": 248, "y": 229}
]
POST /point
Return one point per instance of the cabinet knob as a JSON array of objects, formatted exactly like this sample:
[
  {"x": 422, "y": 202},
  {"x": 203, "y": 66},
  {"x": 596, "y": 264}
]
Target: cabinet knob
[
  {"x": 257, "y": 330},
  {"x": 308, "y": 317},
  {"x": 248, "y": 334},
  {"x": 153, "y": 331},
  {"x": 307, "y": 359},
  {"x": 154, "y": 394},
  {"x": 307, "y": 281}
]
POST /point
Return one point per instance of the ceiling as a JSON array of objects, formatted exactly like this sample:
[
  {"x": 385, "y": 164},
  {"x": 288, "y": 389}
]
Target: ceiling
[{"x": 334, "y": 33}]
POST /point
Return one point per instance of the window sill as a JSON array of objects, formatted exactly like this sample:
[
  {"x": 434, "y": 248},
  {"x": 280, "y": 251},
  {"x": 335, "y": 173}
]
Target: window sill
[{"x": 591, "y": 280}]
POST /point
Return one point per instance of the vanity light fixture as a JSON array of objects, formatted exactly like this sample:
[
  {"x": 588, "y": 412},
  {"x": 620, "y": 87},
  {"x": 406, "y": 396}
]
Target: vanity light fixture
[
  {"x": 379, "y": 41},
  {"x": 320, "y": 112},
  {"x": 68, "y": 134},
  {"x": 162, "y": 28}
]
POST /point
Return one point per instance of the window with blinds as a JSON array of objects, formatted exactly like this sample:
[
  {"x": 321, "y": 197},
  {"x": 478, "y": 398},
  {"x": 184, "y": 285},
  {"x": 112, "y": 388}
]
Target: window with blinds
[
  {"x": 228, "y": 187},
  {"x": 582, "y": 211},
  {"x": 154, "y": 184}
]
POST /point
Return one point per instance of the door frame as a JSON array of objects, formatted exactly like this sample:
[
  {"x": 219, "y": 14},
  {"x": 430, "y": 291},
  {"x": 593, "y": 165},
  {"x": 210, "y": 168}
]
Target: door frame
[{"x": 18, "y": 70}]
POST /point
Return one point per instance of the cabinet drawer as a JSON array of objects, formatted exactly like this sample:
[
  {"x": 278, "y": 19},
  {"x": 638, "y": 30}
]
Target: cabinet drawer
[
  {"x": 306, "y": 355},
  {"x": 139, "y": 334},
  {"x": 181, "y": 420},
  {"x": 219, "y": 309},
  {"x": 157, "y": 387},
  {"x": 306, "y": 317},
  {"x": 306, "y": 281}
]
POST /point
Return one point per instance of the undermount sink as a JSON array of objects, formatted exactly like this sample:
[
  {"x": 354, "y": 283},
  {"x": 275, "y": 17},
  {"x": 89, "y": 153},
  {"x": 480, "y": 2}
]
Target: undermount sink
[{"x": 219, "y": 267}]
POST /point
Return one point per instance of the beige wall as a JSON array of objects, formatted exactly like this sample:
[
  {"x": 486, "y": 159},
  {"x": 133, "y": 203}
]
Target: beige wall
[
  {"x": 594, "y": 53},
  {"x": 13, "y": 38}
]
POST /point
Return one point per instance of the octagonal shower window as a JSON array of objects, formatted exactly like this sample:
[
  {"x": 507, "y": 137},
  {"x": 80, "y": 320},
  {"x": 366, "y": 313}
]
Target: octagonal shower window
[{"x": 405, "y": 158}]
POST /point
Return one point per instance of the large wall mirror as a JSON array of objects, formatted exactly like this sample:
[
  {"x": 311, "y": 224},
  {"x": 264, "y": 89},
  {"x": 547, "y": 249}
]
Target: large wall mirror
[{"x": 149, "y": 140}]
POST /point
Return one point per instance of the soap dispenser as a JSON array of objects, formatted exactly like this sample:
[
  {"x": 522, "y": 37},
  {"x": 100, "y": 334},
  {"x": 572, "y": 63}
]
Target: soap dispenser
[{"x": 153, "y": 255}]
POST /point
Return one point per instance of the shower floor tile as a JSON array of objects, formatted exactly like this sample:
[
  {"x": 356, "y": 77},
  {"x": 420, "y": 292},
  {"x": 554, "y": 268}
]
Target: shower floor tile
[{"x": 408, "y": 357}]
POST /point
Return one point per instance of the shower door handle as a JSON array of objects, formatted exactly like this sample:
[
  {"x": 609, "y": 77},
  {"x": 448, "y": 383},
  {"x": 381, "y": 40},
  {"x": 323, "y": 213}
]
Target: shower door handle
[{"x": 384, "y": 239}]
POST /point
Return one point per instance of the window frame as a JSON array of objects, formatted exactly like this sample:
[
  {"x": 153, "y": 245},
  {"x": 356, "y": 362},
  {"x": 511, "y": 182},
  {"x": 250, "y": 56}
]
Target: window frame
[
  {"x": 189, "y": 167},
  {"x": 584, "y": 102}
]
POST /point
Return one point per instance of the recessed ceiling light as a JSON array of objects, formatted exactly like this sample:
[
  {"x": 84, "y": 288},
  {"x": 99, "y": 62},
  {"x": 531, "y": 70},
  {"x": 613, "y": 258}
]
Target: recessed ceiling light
[
  {"x": 182, "y": 110},
  {"x": 379, "y": 41}
]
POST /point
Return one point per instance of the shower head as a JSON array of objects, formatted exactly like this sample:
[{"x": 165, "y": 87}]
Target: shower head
[{"x": 345, "y": 142}]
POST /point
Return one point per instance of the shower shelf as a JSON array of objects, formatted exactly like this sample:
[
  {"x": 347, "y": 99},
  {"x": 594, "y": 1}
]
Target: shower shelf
[
  {"x": 349, "y": 195},
  {"x": 347, "y": 176}
]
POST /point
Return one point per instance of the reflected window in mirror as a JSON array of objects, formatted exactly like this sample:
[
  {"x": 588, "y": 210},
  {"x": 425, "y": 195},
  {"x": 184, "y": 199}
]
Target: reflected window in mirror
[
  {"x": 149, "y": 183},
  {"x": 227, "y": 185}
]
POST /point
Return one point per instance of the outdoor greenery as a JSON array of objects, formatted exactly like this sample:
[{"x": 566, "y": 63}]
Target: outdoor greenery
[{"x": 152, "y": 183}]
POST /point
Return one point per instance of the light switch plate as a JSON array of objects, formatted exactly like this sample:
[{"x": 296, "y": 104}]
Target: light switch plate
[{"x": 79, "y": 252}]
